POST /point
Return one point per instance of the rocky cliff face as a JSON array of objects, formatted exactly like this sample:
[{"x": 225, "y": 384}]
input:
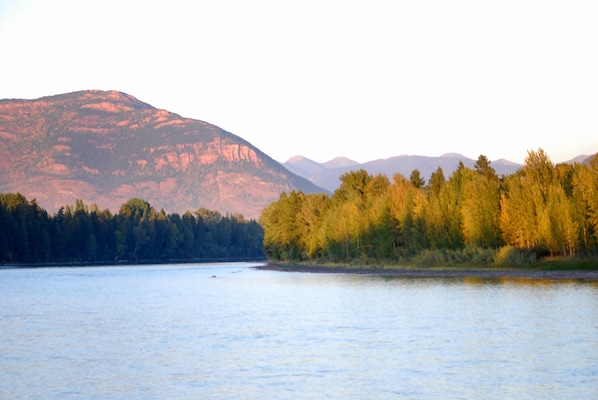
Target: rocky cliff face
[{"x": 107, "y": 147}]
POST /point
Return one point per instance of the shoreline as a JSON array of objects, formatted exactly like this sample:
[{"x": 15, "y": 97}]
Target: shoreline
[
  {"x": 124, "y": 263},
  {"x": 449, "y": 272}
]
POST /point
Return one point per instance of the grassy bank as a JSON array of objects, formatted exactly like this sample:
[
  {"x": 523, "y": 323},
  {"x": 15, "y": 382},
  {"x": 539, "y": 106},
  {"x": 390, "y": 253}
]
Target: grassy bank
[
  {"x": 560, "y": 263},
  {"x": 503, "y": 262},
  {"x": 543, "y": 270},
  {"x": 506, "y": 257}
]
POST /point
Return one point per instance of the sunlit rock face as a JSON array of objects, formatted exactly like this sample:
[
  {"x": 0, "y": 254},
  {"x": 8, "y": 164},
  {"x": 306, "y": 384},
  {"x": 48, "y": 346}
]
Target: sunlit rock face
[{"x": 107, "y": 147}]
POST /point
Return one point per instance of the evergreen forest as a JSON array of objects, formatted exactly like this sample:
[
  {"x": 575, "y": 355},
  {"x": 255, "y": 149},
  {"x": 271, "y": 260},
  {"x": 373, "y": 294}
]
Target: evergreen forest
[
  {"x": 472, "y": 217},
  {"x": 138, "y": 233}
]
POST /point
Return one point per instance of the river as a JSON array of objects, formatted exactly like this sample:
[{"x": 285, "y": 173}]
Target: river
[{"x": 223, "y": 331}]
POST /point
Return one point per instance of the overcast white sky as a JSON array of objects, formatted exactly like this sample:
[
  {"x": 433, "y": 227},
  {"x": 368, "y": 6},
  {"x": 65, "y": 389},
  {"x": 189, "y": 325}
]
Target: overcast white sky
[{"x": 362, "y": 79}]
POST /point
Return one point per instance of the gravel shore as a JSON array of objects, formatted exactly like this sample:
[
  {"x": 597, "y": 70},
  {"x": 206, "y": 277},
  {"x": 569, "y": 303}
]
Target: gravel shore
[{"x": 437, "y": 272}]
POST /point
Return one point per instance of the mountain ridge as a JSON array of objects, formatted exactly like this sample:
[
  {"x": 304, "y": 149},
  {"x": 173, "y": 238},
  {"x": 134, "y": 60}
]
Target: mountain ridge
[
  {"x": 106, "y": 147},
  {"x": 328, "y": 177}
]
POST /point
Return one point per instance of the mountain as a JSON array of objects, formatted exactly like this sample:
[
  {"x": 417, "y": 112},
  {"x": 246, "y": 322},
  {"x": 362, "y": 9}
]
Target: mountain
[
  {"x": 326, "y": 175},
  {"x": 583, "y": 159},
  {"x": 340, "y": 162},
  {"x": 107, "y": 147},
  {"x": 303, "y": 166}
]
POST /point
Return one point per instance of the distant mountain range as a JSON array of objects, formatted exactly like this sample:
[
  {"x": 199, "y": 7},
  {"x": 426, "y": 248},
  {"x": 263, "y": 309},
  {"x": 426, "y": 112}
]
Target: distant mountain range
[
  {"x": 326, "y": 175},
  {"x": 107, "y": 147}
]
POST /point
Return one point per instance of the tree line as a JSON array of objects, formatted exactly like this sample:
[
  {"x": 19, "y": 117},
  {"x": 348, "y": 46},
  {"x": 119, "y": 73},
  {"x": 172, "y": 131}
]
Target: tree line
[
  {"x": 138, "y": 232},
  {"x": 472, "y": 216}
]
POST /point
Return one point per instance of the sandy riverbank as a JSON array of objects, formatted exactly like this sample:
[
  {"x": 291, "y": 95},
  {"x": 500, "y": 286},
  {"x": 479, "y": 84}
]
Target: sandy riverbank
[{"x": 437, "y": 272}]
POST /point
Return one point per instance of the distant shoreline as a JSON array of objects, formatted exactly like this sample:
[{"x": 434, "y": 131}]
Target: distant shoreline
[
  {"x": 124, "y": 263},
  {"x": 449, "y": 272}
]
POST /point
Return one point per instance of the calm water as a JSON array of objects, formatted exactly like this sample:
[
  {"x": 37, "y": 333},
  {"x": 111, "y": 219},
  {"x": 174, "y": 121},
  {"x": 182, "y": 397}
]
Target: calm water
[{"x": 156, "y": 332}]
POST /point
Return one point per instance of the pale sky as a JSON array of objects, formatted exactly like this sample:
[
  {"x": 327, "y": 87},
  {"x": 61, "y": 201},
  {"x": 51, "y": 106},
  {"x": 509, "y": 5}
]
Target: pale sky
[{"x": 362, "y": 79}]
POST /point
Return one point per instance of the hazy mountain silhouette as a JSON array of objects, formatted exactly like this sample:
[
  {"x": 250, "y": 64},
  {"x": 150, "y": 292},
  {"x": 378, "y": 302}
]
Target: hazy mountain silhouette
[{"x": 326, "y": 175}]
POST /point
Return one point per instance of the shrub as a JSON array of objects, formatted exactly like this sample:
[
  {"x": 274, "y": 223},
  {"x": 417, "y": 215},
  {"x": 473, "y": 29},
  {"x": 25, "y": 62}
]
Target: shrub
[{"x": 514, "y": 257}]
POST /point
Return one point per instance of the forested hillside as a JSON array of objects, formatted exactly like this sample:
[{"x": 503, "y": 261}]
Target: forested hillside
[
  {"x": 137, "y": 233},
  {"x": 473, "y": 216}
]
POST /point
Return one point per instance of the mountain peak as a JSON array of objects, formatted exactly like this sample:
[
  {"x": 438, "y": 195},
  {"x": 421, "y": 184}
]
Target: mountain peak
[
  {"x": 302, "y": 166},
  {"x": 452, "y": 155},
  {"x": 298, "y": 158},
  {"x": 340, "y": 162},
  {"x": 94, "y": 96},
  {"x": 326, "y": 175},
  {"x": 106, "y": 147},
  {"x": 503, "y": 161}
]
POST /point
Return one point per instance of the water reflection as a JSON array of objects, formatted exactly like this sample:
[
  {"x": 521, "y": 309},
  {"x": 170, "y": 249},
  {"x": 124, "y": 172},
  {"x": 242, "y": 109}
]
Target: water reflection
[{"x": 515, "y": 281}]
